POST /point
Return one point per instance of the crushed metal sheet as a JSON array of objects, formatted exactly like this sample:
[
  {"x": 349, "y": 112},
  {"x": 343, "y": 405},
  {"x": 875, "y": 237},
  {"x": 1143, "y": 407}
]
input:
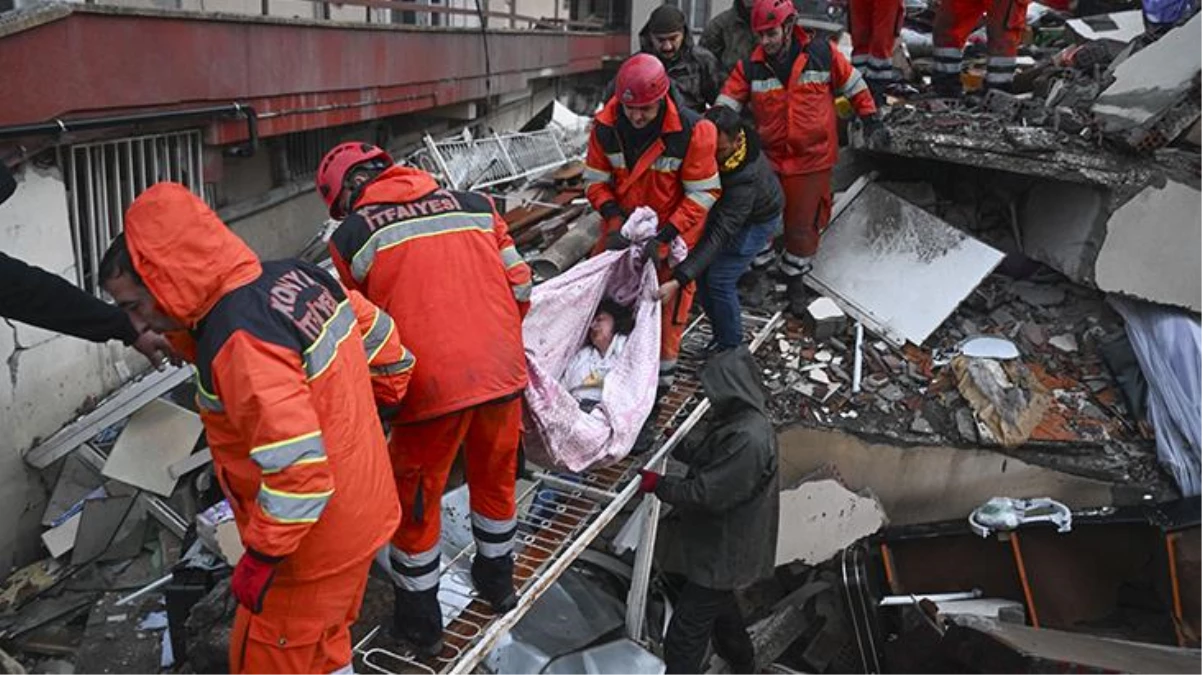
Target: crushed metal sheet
[
  {"x": 880, "y": 239},
  {"x": 157, "y": 436}
]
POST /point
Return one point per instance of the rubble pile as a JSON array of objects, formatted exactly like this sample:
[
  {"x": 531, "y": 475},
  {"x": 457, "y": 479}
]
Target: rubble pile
[{"x": 910, "y": 395}]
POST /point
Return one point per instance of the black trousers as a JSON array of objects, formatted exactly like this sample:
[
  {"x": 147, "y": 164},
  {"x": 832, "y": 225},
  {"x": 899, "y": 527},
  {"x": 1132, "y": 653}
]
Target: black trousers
[{"x": 701, "y": 614}]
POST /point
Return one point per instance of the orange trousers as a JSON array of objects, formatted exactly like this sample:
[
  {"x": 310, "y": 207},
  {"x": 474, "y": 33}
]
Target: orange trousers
[
  {"x": 305, "y": 627},
  {"x": 807, "y": 212},
  {"x": 875, "y": 25},
  {"x": 422, "y": 455},
  {"x": 1005, "y": 22}
]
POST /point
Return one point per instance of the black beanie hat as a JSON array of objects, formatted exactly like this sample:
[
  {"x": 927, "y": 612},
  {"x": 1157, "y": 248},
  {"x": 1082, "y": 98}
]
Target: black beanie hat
[{"x": 665, "y": 19}]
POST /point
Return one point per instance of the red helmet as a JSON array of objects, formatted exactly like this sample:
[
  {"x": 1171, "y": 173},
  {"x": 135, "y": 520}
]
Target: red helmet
[
  {"x": 337, "y": 164},
  {"x": 769, "y": 14},
  {"x": 642, "y": 80}
]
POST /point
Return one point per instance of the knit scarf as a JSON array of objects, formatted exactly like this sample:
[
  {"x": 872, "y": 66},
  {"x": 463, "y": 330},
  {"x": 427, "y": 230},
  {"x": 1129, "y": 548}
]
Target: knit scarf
[{"x": 737, "y": 157}]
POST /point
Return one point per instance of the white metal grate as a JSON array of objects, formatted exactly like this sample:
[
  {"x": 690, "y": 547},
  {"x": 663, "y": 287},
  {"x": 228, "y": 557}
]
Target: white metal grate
[
  {"x": 103, "y": 178},
  {"x": 473, "y": 164}
]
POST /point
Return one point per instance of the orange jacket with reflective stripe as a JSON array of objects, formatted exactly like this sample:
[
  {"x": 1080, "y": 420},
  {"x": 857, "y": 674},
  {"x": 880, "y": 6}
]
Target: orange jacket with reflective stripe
[
  {"x": 796, "y": 120},
  {"x": 677, "y": 175},
  {"x": 282, "y": 356},
  {"x": 441, "y": 263}
]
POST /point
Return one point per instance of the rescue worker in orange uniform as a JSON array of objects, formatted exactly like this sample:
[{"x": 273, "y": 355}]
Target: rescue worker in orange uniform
[
  {"x": 875, "y": 25},
  {"x": 955, "y": 20},
  {"x": 441, "y": 262},
  {"x": 646, "y": 150},
  {"x": 790, "y": 83},
  {"x": 286, "y": 364}
]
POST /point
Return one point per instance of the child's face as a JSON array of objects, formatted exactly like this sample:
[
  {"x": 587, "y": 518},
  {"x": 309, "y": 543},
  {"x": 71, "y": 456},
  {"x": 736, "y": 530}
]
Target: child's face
[{"x": 601, "y": 330}]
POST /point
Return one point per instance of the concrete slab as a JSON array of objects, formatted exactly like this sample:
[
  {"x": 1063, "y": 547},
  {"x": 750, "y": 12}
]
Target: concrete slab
[
  {"x": 157, "y": 436},
  {"x": 1153, "y": 247},
  {"x": 822, "y": 517},
  {"x": 880, "y": 239},
  {"x": 1118, "y": 27},
  {"x": 927, "y": 483},
  {"x": 1152, "y": 81}
]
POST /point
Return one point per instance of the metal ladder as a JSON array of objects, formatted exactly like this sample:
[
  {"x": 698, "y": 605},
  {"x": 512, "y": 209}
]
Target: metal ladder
[{"x": 559, "y": 515}]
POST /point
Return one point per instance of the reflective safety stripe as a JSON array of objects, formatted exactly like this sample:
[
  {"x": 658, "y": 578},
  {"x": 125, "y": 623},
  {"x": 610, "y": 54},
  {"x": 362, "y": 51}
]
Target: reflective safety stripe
[
  {"x": 948, "y": 53},
  {"x": 493, "y": 526},
  {"x": 205, "y": 399},
  {"x": 396, "y": 367},
  {"x": 795, "y": 265},
  {"x": 947, "y": 68},
  {"x": 729, "y": 102},
  {"x": 711, "y": 183},
  {"x": 293, "y": 507},
  {"x": 1003, "y": 61},
  {"x": 416, "y": 571},
  {"x": 667, "y": 366},
  {"x": 854, "y": 84},
  {"x": 522, "y": 291},
  {"x": 765, "y": 86},
  {"x": 703, "y": 199},
  {"x": 880, "y": 75},
  {"x": 616, "y": 159},
  {"x": 275, "y": 457},
  {"x": 321, "y": 353},
  {"x": 860, "y": 59},
  {"x": 592, "y": 175},
  {"x": 399, "y": 233},
  {"x": 815, "y": 77},
  {"x": 511, "y": 257},
  {"x": 667, "y": 164},
  {"x": 999, "y": 77},
  {"x": 880, "y": 64},
  {"x": 378, "y": 336}
]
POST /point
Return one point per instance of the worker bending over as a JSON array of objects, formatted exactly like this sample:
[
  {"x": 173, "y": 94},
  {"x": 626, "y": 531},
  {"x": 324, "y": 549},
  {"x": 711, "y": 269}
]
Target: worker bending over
[
  {"x": 286, "y": 363},
  {"x": 442, "y": 264},
  {"x": 790, "y": 83}
]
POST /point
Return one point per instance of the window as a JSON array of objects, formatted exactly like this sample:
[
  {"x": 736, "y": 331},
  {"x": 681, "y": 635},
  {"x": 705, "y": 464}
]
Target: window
[
  {"x": 305, "y": 150},
  {"x": 103, "y": 178}
]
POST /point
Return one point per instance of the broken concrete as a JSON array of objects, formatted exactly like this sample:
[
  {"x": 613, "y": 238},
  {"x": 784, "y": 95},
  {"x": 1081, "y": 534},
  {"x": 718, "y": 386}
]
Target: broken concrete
[
  {"x": 880, "y": 238},
  {"x": 927, "y": 483},
  {"x": 1153, "y": 247},
  {"x": 819, "y": 518},
  {"x": 1151, "y": 83}
]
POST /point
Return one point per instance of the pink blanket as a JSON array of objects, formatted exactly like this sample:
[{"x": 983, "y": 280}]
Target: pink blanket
[{"x": 558, "y": 433}]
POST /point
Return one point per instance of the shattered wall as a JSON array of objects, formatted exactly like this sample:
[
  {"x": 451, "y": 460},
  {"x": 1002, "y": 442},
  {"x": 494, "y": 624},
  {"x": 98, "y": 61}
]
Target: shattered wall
[{"x": 44, "y": 377}]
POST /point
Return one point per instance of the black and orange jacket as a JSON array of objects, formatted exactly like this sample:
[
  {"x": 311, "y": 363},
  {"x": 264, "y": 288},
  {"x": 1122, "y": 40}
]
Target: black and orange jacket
[
  {"x": 442, "y": 264},
  {"x": 285, "y": 359},
  {"x": 796, "y": 119},
  {"x": 677, "y": 176}
]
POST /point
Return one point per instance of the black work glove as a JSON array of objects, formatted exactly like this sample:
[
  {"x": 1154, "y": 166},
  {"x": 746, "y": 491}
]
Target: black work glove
[
  {"x": 614, "y": 241},
  {"x": 651, "y": 251},
  {"x": 876, "y": 134}
]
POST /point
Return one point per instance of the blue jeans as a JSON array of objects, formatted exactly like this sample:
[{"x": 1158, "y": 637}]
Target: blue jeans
[{"x": 716, "y": 288}]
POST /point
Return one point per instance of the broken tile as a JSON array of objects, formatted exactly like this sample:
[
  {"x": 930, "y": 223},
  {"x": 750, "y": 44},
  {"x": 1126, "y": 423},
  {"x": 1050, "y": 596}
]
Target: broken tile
[
  {"x": 819, "y": 375},
  {"x": 1038, "y": 295},
  {"x": 892, "y": 393},
  {"x": 921, "y": 426},
  {"x": 823, "y": 356},
  {"x": 157, "y": 436},
  {"x": 1034, "y": 334},
  {"x": 75, "y": 481},
  {"x": 59, "y": 540},
  {"x": 966, "y": 424},
  {"x": 1066, "y": 343},
  {"x": 1001, "y": 317}
]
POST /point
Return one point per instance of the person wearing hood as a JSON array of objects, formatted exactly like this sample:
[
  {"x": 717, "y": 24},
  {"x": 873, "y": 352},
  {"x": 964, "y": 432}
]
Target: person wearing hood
[
  {"x": 695, "y": 73},
  {"x": 721, "y": 533},
  {"x": 729, "y": 37},
  {"x": 290, "y": 371},
  {"x": 741, "y": 224},
  {"x": 441, "y": 262},
  {"x": 40, "y": 298}
]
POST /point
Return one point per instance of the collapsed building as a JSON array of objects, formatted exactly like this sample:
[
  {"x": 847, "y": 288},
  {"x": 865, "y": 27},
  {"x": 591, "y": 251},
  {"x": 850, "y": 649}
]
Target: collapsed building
[{"x": 1008, "y": 294}]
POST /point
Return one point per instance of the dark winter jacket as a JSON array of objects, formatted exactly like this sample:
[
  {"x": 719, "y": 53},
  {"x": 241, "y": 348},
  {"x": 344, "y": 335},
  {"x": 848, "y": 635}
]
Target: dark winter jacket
[
  {"x": 728, "y": 37},
  {"x": 751, "y": 195},
  {"x": 695, "y": 73},
  {"x": 722, "y": 531}
]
